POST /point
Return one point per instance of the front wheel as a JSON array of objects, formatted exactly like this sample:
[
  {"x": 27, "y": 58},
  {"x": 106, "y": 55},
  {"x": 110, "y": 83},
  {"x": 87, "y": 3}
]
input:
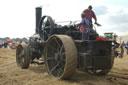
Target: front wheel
[{"x": 22, "y": 56}]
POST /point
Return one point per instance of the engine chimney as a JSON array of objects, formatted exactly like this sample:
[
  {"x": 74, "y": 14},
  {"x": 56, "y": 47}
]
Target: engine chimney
[{"x": 38, "y": 17}]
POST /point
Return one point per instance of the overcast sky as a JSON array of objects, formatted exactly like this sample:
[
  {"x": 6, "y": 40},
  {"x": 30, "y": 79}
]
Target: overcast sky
[{"x": 17, "y": 17}]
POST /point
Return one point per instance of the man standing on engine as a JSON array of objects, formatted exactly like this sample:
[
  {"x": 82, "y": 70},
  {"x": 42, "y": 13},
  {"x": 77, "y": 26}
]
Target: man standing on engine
[{"x": 89, "y": 13}]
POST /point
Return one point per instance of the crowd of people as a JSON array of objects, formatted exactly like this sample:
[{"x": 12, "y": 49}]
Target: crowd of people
[
  {"x": 3, "y": 44},
  {"x": 11, "y": 45}
]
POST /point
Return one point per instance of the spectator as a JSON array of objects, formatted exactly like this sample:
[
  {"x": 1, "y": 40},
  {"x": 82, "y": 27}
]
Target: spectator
[
  {"x": 1, "y": 44},
  {"x": 122, "y": 49},
  {"x": 126, "y": 46},
  {"x": 16, "y": 43},
  {"x": 10, "y": 45},
  {"x": 5, "y": 44}
]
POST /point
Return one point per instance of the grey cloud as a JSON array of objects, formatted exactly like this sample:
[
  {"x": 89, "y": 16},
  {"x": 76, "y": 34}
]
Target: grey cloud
[
  {"x": 112, "y": 21},
  {"x": 100, "y": 10},
  {"x": 116, "y": 28},
  {"x": 121, "y": 28},
  {"x": 118, "y": 19}
]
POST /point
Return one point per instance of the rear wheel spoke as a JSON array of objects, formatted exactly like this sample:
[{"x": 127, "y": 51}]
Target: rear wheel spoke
[
  {"x": 54, "y": 67},
  {"x": 63, "y": 54},
  {"x": 57, "y": 42},
  {"x": 52, "y": 48},
  {"x": 61, "y": 49},
  {"x": 60, "y": 71},
  {"x": 50, "y": 59}
]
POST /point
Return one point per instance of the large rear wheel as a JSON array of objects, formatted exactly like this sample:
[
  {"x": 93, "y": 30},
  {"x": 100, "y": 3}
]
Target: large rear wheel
[
  {"x": 104, "y": 71},
  {"x": 60, "y": 56}
]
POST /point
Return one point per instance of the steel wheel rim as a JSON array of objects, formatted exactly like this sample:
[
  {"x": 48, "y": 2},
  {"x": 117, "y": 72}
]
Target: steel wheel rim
[
  {"x": 20, "y": 55},
  {"x": 56, "y": 59}
]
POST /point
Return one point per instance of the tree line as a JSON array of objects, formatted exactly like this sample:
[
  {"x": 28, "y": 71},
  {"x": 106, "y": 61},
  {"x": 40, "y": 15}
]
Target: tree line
[{"x": 14, "y": 39}]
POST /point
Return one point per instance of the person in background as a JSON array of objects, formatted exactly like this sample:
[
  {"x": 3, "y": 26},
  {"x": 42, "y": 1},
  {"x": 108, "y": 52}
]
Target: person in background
[
  {"x": 10, "y": 45},
  {"x": 126, "y": 46},
  {"x": 26, "y": 41},
  {"x": 16, "y": 44},
  {"x": 122, "y": 49},
  {"x": 5, "y": 44},
  {"x": 1, "y": 44}
]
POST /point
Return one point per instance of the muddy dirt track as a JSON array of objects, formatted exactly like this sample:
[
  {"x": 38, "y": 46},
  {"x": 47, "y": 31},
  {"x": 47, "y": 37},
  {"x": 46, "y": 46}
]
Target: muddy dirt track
[{"x": 10, "y": 74}]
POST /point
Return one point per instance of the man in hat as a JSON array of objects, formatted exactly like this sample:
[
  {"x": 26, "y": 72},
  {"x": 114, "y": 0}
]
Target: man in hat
[{"x": 89, "y": 15}]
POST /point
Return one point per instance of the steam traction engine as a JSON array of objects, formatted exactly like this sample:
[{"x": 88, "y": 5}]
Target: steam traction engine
[{"x": 63, "y": 50}]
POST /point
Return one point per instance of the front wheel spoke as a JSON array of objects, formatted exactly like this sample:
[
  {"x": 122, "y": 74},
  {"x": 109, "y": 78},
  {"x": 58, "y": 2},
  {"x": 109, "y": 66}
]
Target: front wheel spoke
[
  {"x": 21, "y": 54},
  {"x": 21, "y": 61},
  {"x": 54, "y": 67}
]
